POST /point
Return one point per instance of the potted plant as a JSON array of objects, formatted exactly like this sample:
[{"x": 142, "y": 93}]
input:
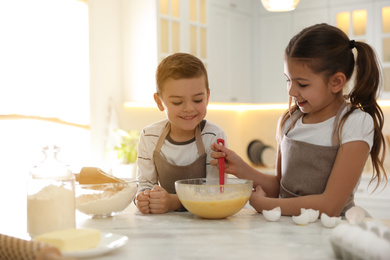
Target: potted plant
[{"x": 126, "y": 152}]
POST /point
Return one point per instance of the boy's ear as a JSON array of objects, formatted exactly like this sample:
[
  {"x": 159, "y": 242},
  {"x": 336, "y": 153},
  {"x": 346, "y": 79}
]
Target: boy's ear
[
  {"x": 337, "y": 82},
  {"x": 158, "y": 101}
]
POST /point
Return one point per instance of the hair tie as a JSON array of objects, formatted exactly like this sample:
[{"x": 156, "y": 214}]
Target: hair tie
[{"x": 351, "y": 44}]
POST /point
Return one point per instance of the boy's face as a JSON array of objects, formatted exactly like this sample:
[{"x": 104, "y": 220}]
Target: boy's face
[{"x": 185, "y": 104}]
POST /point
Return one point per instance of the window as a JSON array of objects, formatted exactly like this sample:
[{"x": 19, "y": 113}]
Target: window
[{"x": 44, "y": 82}]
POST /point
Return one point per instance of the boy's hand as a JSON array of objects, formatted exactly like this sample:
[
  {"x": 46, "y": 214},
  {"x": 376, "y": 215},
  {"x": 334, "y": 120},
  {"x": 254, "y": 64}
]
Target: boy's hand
[
  {"x": 142, "y": 201},
  {"x": 161, "y": 201}
]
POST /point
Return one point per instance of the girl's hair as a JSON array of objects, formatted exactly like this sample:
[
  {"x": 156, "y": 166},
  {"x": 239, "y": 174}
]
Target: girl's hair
[
  {"x": 180, "y": 66},
  {"x": 327, "y": 50}
]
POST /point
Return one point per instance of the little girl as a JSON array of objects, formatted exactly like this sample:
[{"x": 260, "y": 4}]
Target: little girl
[{"x": 325, "y": 138}]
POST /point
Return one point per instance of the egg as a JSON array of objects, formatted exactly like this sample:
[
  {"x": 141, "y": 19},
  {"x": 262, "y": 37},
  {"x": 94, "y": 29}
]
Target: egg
[
  {"x": 273, "y": 214},
  {"x": 355, "y": 215},
  {"x": 330, "y": 222},
  {"x": 313, "y": 214},
  {"x": 302, "y": 219}
]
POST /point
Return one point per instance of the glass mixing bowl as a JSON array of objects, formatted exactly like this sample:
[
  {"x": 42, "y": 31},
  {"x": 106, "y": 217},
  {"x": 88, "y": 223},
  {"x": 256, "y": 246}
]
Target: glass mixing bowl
[
  {"x": 207, "y": 199},
  {"x": 105, "y": 199}
]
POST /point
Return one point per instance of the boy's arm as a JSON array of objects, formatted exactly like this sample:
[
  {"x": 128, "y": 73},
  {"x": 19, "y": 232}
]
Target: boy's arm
[{"x": 146, "y": 171}]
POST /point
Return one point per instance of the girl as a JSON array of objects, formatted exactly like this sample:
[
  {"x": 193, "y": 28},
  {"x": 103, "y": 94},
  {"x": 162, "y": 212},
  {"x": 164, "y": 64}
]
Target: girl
[
  {"x": 324, "y": 138},
  {"x": 178, "y": 147}
]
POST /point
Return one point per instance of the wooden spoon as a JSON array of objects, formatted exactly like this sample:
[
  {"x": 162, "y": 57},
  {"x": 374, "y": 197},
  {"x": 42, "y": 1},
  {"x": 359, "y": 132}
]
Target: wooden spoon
[{"x": 93, "y": 175}]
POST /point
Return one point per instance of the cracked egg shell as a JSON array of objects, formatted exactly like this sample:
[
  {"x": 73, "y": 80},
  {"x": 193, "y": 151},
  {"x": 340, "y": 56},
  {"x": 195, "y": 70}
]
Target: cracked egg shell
[
  {"x": 302, "y": 219},
  {"x": 273, "y": 214},
  {"x": 355, "y": 215},
  {"x": 330, "y": 222},
  {"x": 313, "y": 214}
]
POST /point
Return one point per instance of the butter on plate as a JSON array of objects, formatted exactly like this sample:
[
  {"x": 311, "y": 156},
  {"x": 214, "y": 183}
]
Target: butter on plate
[{"x": 68, "y": 240}]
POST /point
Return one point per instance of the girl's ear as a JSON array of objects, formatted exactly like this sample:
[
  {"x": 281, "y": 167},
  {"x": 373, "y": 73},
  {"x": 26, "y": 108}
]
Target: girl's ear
[
  {"x": 158, "y": 101},
  {"x": 337, "y": 82}
]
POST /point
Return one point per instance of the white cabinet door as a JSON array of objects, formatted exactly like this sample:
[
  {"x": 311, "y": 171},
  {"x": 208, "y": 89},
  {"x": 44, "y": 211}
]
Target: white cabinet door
[
  {"x": 368, "y": 22},
  {"x": 231, "y": 44},
  {"x": 274, "y": 33},
  {"x": 303, "y": 18}
]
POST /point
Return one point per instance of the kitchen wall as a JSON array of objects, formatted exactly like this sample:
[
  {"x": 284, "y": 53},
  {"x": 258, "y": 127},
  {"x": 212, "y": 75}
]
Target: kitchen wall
[{"x": 241, "y": 127}]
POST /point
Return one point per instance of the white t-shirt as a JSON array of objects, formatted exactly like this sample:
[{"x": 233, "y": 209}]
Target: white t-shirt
[
  {"x": 359, "y": 126},
  {"x": 183, "y": 153}
]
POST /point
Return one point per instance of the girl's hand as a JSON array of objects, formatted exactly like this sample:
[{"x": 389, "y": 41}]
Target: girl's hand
[
  {"x": 255, "y": 200},
  {"x": 233, "y": 162},
  {"x": 142, "y": 201}
]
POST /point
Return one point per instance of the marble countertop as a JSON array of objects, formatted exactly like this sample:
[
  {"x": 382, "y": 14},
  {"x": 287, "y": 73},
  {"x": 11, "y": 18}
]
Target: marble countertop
[{"x": 181, "y": 235}]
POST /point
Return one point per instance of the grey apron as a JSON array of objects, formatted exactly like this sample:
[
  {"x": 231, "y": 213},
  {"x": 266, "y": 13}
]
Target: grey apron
[
  {"x": 305, "y": 168},
  {"x": 168, "y": 173}
]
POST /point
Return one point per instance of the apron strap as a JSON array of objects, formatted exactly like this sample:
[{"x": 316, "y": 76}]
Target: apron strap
[
  {"x": 199, "y": 142},
  {"x": 164, "y": 134},
  {"x": 198, "y": 138},
  {"x": 335, "y": 134}
]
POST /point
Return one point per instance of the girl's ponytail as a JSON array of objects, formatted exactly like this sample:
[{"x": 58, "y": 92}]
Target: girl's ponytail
[{"x": 364, "y": 96}]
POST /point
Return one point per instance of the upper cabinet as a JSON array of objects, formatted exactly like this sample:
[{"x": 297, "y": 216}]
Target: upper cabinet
[
  {"x": 370, "y": 23},
  {"x": 182, "y": 27},
  {"x": 231, "y": 44},
  {"x": 382, "y": 41},
  {"x": 242, "y": 45},
  {"x": 273, "y": 31}
]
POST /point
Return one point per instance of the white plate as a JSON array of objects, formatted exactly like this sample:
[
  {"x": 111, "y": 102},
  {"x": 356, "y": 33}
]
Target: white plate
[{"x": 108, "y": 243}]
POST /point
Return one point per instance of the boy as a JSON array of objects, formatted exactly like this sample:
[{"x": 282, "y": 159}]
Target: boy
[{"x": 177, "y": 147}]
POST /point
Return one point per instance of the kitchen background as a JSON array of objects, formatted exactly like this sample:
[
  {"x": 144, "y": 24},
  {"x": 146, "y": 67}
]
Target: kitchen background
[{"x": 89, "y": 67}]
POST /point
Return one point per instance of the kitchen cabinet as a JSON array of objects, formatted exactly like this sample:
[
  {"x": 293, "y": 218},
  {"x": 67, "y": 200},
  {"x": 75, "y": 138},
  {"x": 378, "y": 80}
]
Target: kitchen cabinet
[
  {"x": 274, "y": 31},
  {"x": 231, "y": 51},
  {"x": 242, "y": 44},
  {"x": 182, "y": 27},
  {"x": 382, "y": 41},
  {"x": 368, "y": 22}
]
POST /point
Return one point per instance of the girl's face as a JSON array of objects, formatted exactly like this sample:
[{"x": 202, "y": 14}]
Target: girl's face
[
  {"x": 309, "y": 91},
  {"x": 185, "y": 104}
]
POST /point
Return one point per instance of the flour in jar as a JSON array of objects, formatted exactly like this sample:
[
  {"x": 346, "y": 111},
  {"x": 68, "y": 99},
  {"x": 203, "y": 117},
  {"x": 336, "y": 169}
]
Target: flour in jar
[
  {"x": 52, "y": 208},
  {"x": 107, "y": 202}
]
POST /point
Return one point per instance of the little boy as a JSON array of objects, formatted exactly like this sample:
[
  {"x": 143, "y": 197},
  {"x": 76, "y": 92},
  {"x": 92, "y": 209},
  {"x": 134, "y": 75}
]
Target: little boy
[{"x": 177, "y": 147}]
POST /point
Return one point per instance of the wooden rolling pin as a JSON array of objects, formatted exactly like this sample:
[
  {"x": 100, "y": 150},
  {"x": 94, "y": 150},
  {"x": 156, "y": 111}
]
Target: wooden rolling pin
[{"x": 12, "y": 248}]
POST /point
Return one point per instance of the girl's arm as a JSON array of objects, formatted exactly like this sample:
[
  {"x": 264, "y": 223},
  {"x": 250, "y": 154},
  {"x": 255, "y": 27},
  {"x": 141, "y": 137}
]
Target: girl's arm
[
  {"x": 345, "y": 174},
  {"x": 236, "y": 166}
]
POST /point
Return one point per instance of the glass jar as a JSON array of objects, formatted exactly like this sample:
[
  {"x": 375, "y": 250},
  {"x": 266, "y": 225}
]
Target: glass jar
[{"x": 50, "y": 195}]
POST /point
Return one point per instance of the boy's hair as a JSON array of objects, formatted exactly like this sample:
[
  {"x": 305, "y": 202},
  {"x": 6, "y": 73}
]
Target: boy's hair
[
  {"x": 326, "y": 50},
  {"x": 180, "y": 66}
]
